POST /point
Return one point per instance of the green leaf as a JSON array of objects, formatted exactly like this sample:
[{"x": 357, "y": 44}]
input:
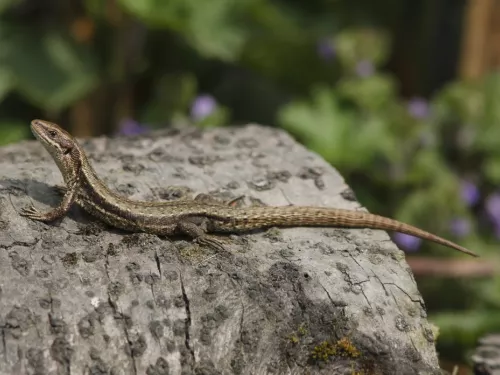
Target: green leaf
[
  {"x": 49, "y": 70},
  {"x": 343, "y": 137},
  {"x": 208, "y": 25},
  {"x": 371, "y": 93},
  {"x": 355, "y": 45}
]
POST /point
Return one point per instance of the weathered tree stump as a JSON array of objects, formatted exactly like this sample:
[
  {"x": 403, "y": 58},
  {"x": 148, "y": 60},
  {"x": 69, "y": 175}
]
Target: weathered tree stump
[{"x": 78, "y": 297}]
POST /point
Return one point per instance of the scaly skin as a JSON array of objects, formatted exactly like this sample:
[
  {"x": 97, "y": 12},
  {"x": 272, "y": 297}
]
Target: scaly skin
[{"x": 195, "y": 217}]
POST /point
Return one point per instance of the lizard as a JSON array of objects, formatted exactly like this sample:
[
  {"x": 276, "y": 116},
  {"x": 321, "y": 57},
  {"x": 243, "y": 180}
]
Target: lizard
[{"x": 196, "y": 218}]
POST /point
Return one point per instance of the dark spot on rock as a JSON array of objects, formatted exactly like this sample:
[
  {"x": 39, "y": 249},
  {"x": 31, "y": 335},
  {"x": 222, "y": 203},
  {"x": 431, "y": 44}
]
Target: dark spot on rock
[
  {"x": 171, "y": 193},
  {"x": 222, "y": 140},
  {"x": 233, "y": 185},
  {"x": 159, "y": 154},
  {"x": 310, "y": 173},
  {"x": 428, "y": 334},
  {"x": 20, "y": 264},
  {"x": 18, "y": 320},
  {"x": 203, "y": 160},
  {"x": 282, "y": 176},
  {"x": 247, "y": 143},
  {"x": 205, "y": 336},
  {"x": 136, "y": 278},
  {"x": 135, "y": 168},
  {"x": 112, "y": 250},
  {"x": 36, "y": 361},
  {"x": 132, "y": 266},
  {"x": 159, "y": 368},
  {"x": 44, "y": 302},
  {"x": 179, "y": 301},
  {"x": 151, "y": 278},
  {"x": 115, "y": 288},
  {"x": 170, "y": 345},
  {"x": 319, "y": 183},
  {"x": 171, "y": 275},
  {"x": 178, "y": 328},
  {"x": 90, "y": 256},
  {"x": 156, "y": 329},
  {"x": 93, "y": 228},
  {"x": 57, "y": 325},
  {"x": 86, "y": 325},
  {"x": 61, "y": 351},
  {"x": 348, "y": 194},
  {"x": 162, "y": 302},
  {"x": 138, "y": 347},
  {"x": 43, "y": 274},
  {"x": 70, "y": 259},
  {"x": 261, "y": 184},
  {"x": 210, "y": 294}
]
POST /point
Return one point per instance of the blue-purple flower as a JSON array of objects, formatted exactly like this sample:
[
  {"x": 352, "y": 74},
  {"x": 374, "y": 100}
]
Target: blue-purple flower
[
  {"x": 469, "y": 192},
  {"x": 326, "y": 49},
  {"x": 418, "y": 108},
  {"x": 492, "y": 205},
  {"x": 460, "y": 226},
  {"x": 409, "y": 243},
  {"x": 128, "y": 126},
  {"x": 365, "y": 68},
  {"x": 203, "y": 106}
]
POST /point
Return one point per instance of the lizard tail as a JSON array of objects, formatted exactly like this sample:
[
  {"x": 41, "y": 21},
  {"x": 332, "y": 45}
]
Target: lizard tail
[{"x": 293, "y": 216}]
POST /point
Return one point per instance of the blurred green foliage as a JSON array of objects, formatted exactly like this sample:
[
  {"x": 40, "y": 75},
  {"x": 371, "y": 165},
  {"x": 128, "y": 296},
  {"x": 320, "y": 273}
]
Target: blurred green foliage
[{"x": 317, "y": 69}]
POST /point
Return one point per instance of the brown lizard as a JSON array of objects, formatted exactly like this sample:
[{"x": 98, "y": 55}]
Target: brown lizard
[{"x": 194, "y": 218}]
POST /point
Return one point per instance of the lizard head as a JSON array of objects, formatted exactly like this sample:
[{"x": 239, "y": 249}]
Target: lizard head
[{"x": 58, "y": 142}]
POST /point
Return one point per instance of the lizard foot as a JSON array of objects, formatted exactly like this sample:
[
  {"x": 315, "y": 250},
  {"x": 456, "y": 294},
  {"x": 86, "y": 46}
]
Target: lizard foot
[
  {"x": 210, "y": 242},
  {"x": 32, "y": 213}
]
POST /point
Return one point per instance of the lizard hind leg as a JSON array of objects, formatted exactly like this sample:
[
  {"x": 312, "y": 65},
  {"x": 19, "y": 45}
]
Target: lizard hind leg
[{"x": 199, "y": 235}]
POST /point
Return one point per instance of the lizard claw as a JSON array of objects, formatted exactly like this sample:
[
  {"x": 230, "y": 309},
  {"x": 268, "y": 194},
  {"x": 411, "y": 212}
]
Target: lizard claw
[
  {"x": 61, "y": 190},
  {"x": 32, "y": 213},
  {"x": 210, "y": 242}
]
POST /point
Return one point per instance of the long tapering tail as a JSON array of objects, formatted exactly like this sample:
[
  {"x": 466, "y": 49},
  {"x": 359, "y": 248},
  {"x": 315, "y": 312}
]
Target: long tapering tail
[{"x": 243, "y": 219}]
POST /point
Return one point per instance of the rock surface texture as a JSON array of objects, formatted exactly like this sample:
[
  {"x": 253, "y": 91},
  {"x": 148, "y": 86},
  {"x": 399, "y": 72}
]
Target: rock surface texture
[{"x": 78, "y": 297}]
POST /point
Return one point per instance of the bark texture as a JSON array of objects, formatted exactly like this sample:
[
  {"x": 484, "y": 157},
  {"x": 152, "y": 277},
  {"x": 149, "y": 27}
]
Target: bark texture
[{"x": 77, "y": 297}]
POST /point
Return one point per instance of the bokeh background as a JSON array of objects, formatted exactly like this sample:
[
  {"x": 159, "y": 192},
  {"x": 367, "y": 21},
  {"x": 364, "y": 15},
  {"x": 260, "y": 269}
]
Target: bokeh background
[{"x": 401, "y": 96}]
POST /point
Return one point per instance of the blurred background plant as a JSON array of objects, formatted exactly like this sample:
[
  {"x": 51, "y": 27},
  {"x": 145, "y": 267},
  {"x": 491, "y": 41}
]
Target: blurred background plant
[{"x": 391, "y": 93}]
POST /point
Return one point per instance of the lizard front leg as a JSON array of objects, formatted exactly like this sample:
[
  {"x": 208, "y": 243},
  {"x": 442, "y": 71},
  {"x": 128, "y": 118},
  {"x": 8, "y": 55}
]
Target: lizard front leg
[{"x": 58, "y": 212}]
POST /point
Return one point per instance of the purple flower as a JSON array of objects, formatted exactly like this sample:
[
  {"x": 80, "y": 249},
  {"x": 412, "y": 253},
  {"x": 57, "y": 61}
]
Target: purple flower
[
  {"x": 492, "y": 205},
  {"x": 364, "y": 68},
  {"x": 128, "y": 126},
  {"x": 418, "y": 108},
  {"x": 409, "y": 243},
  {"x": 461, "y": 227},
  {"x": 470, "y": 193},
  {"x": 202, "y": 107},
  {"x": 325, "y": 49}
]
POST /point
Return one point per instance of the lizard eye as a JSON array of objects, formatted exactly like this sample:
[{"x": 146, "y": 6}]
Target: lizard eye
[{"x": 52, "y": 133}]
